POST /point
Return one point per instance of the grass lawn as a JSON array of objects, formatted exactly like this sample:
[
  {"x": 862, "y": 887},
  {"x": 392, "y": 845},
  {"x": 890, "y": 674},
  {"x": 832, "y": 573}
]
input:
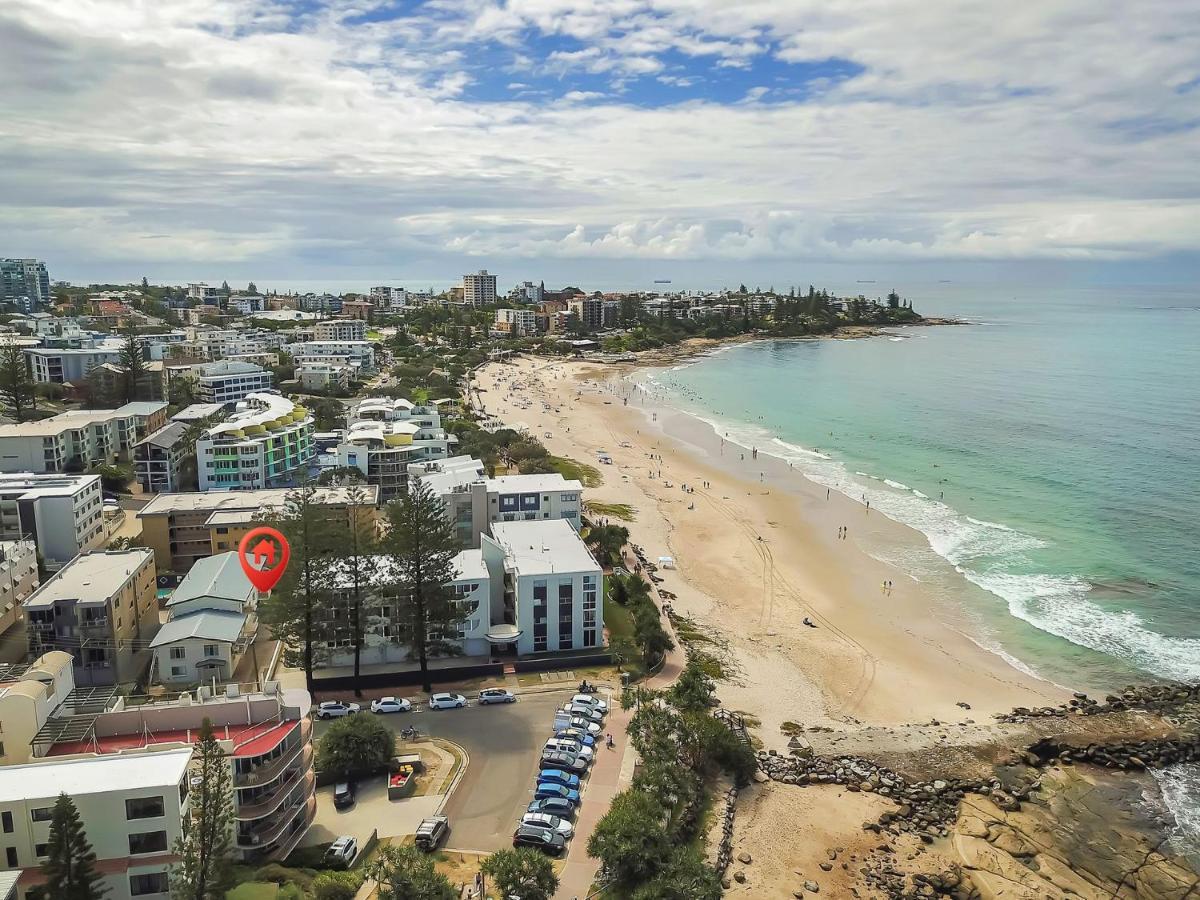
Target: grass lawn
[
  {"x": 622, "y": 511},
  {"x": 619, "y": 622},
  {"x": 253, "y": 890},
  {"x": 572, "y": 469}
]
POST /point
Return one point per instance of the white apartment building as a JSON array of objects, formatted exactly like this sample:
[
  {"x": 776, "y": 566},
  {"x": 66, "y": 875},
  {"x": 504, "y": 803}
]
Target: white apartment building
[
  {"x": 340, "y": 330},
  {"x": 53, "y": 365},
  {"x": 203, "y": 293},
  {"x": 84, "y": 437},
  {"x": 329, "y": 377},
  {"x": 248, "y": 303},
  {"x": 359, "y": 354},
  {"x": 384, "y": 297},
  {"x": 528, "y": 292},
  {"x": 228, "y": 381},
  {"x": 516, "y": 322},
  {"x": 479, "y": 289},
  {"x": 386, "y": 436},
  {"x": 260, "y": 446},
  {"x": 18, "y": 579},
  {"x": 219, "y": 343},
  {"x": 62, "y": 514},
  {"x": 474, "y": 502}
]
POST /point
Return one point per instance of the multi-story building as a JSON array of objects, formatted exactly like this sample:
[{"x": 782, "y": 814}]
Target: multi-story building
[
  {"x": 474, "y": 502},
  {"x": 221, "y": 343},
  {"x": 203, "y": 293},
  {"x": 589, "y": 311},
  {"x": 130, "y": 773},
  {"x": 62, "y": 365},
  {"x": 516, "y": 322},
  {"x": 248, "y": 304},
  {"x": 18, "y": 579},
  {"x": 29, "y": 693},
  {"x": 261, "y": 445},
  {"x": 62, "y": 514},
  {"x": 528, "y": 292},
  {"x": 101, "y": 608},
  {"x": 211, "y": 621},
  {"x": 386, "y": 436},
  {"x": 386, "y": 298},
  {"x": 357, "y": 309},
  {"x": 25, "y": 284},
  {"x": 340, "y": 330},
  {"x": 81, "y": 438},
  {"x": 184, "y": 528},
  {"x": 159, "y": 457},
  {"x": 328, "y": 377},
  {"x": 553, "y": 591},
  {"x": 359, "y": 354},
  {"x": 229, "y": 381},
  {"x": 479, "y": 289}
]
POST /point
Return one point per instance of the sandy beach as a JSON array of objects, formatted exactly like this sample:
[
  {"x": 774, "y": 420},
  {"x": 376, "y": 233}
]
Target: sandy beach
[{"x": 757, "y": 551}]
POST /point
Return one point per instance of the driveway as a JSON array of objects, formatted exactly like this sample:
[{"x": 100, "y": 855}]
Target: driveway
[
  {"x": 503, "y": 743},
  {"x": 372, "y": 809}
]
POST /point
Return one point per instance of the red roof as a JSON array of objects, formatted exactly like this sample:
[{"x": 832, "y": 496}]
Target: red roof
[{"x": 248, "y": 740}]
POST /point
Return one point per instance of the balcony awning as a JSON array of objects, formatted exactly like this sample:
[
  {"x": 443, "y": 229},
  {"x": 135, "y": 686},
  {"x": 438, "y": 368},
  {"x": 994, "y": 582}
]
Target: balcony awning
[{"x": 503, "y": 634}]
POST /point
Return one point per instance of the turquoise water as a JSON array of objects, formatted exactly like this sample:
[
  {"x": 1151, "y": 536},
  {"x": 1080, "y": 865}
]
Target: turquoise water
[{"x": 1050, "y": 452}]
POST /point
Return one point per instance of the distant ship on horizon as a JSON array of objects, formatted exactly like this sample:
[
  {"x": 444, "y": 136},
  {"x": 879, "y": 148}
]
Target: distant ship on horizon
[
  {"x": 662, "y": 280},
  {"x": 864, "y": 281}
]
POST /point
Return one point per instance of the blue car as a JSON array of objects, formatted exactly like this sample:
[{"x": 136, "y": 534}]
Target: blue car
[
  {"x": 545, "y": 790},
  {"x": 558, "y": 776},
  {"x": 575, "y": 734}
]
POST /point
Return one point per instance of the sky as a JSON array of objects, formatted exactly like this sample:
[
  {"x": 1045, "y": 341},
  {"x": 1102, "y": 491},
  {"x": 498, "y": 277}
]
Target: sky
[{"x": 606, "y": 144}]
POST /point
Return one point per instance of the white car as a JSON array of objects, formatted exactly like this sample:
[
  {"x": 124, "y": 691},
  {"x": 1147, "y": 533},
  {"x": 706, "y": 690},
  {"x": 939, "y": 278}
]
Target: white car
[
  {"x": 590, "y": 700},
  {"x": 584, "y": 712},
  {"x": 564, "y": 721},
  {"x": 342, "y": 851},
  {"x": 390, "y": 705},
  {"x": 569, "y": 745},
  {"x": 335, "y": 709},
  {"x": 545, "y": 820},
  {"x": 447, "y": 701}
]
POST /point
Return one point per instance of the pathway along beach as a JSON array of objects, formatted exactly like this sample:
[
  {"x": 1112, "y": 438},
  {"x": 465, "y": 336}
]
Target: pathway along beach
[{"x": 757, "y": 550}]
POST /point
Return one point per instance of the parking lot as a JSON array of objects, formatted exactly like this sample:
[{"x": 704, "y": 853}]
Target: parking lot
[{"x": 504, "y": 744}]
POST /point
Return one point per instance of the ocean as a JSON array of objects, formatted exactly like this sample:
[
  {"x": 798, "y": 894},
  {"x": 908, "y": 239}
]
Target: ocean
[{"x": 1049, "y": 450}]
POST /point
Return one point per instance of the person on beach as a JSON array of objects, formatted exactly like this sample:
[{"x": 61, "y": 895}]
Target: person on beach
[{"x": 826, "y": 489}]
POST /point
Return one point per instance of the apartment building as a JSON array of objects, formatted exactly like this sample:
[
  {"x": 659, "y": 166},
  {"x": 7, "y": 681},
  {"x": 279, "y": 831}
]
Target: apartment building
[
  {"x": 387, "y": 435},
  {"x": 516, "y": 322},
  {"x": 359, "y": 354},
  {"x": 101, "y": 608},
  {"x": 78, "y": 439},
  {"x": 528, "y": 292},
  {"x": 25, "y": 284},
  {"x": 229, "y": 381},
  {"x": 473, "y": 501},
  {"x": 62, "y": 365},
  {"x": 18, "y": 579},
  {"x": 384, "y": 297},
  {"x": 553, "y": 591},
  {"x": 159, "y": 458},
  {"x": 184, "y": 528},
  {"x": 261, "y": 445},
  {"x": 326, "y": 377},
  {"x": 340, "y": 329},
  {"x": 29, "y": 693},
  {"x": 589, "y": 311},
  {"x": 62, "y": 514},
  {"x": 211, "y": 621},
  {"x": 479, "y": 289},
  {"x": 200, "y": 292},
  {"x": 128, "y": 769},
  {"x": 357, "y": 309}
]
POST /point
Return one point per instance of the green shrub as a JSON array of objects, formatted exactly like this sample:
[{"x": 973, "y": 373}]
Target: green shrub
[
  {"x": 355, "y": 745},
  {"x": 336, "y": 885}
]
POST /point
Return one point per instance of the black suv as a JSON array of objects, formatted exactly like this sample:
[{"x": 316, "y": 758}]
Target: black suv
[
  {"x": 343, "y": 795},
  {"x": 549, "y": 842}
]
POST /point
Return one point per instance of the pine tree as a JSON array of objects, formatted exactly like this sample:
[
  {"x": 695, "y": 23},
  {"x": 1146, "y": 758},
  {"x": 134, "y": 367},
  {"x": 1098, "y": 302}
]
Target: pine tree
[
  {"x": 204, "y": 868},
  {"x": 356, "y": 551},
  {"x": 16, "y": 384},
  {"x": 423, "y": 544},
  {"x": 133, "y": 364},
  {"x": 70, "y": 861}
]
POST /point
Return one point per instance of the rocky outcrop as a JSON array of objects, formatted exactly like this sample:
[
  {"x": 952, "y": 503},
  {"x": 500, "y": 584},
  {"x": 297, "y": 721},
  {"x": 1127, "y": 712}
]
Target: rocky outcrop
[
  {"x": 1160, "y": 699},
  {"x": 725, "y": 845}
]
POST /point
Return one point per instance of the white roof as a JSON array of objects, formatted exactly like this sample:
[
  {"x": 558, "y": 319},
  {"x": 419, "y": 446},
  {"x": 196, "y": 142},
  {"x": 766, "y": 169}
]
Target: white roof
[
  {"x": 470, "y": 566},
  {"x": 260, "y": 409},
  {"x": 48, "y": 485},
  {"x": 91, "y": 577},
  {"x": 543, "y": 547},
  {"x": 518, "y": 484},
  {"x": 266, "y": 498},
  {"x": 93, "y": 775}
]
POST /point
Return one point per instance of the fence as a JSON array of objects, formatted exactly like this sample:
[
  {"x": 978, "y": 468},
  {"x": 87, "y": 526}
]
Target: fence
[{"x": 408, "y": 677}]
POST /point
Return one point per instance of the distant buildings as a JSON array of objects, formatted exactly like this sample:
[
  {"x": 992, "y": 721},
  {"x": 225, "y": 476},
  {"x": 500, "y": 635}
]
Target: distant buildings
[
  {"x": 528, "y": 292},
  {"x": 516, "y": 322},
  {"x": 358, "y": 354},
  {"x": 479, "y": 289},
  {"x": 25, "y": 284},
  {"x": 228, "y": 381},
  {"x": 589, "y": 311},
  {"x": 62, "y": 514},
  {"x": 18, "y": 579},
  {"x": 262, "y": 445},
  {"x": 202, "y": 293},
  {"x": 101, "y": 608},
  {"x": 77, "y": 440},
  {"x": 60, "y": 365},
  {"x": 340, "y": 330},
  {"x": 331, "y": 378},
  {"x": 389, "y": 298}
]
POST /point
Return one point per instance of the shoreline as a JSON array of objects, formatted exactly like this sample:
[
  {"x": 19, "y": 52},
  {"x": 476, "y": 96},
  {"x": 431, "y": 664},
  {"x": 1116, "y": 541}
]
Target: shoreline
[{"x": 876, "y": 657}]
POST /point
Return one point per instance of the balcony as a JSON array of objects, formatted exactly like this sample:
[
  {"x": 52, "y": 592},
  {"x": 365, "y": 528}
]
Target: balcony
[
  {"x": 267, "y": 773},
  {"x": 270, "y": 831},
  {"x": 278, "y": 797}
]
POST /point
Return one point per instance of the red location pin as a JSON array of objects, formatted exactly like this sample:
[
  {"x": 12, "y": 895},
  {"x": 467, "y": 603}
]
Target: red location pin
[{"x": 264, "y": 554}]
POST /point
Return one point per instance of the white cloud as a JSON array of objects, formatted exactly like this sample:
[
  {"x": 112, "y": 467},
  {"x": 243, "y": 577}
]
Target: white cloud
[{"x": 241, "y": 133}]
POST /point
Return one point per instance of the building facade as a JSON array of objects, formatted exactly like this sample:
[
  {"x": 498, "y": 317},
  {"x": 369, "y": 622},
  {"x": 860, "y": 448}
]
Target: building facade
[
  {"x": 18, "y": 579},
  {"x": 340, "y": 329},
  {"x": 479, "y": 288},
  {"x": 62, "y": 514},
  {"x": 159, "y": 458},
  {"x": 25, "y": 284},
  {"x": 229, "y": 381},
  {"x": 101, "y": 608},
  {"x": 359, "y": 354},
  {"x": 77, "y": 440},
  {"x": 516, "y": 322},
  {"x": 261, "y": 445}
]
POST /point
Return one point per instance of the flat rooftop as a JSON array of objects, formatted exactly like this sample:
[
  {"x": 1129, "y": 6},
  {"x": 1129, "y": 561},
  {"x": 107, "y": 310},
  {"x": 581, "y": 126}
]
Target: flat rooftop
[
  {"x": 91, "y": 577},
  {"x": 532, "y": 484},
  {"x": 30, "y": 486},
  {"x": 93, "y": 775},
  {"x": 543, "y": 547},
  {"x": 212, "y": 501}
]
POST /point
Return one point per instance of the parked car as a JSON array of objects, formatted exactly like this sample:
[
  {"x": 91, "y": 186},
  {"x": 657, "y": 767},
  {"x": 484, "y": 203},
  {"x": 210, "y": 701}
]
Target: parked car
[
  {"x": 431, "y": 832},
  {"x": 564, "y": 721},
  {"x": 496, "y": 695},
  {"x": 447, "y": 701},
  {"x": 576, "y": 734},
  {"x": 569, "y": 745},
  {"x": 553, "y": 806},
  {"x": 343, "y": 795},
  {"x": 390, "y": 705},
  {"x": 549, "y": 842},
  {"x": 341, "y": 852},
  {"x": 546, "y": 790},
  {"x": 335, "y": 709},
  {"x": 545, "y": 820},
  {"x": 584, "y": 712},
  {"x": 561, "y": 760},
  {"x": 559, "y": 776},
  {"x": 590, "y": 700}
]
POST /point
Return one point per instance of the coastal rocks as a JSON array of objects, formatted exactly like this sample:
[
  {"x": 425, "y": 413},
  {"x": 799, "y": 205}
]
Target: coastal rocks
[
  {"x": 725, "y": 845},
  {"x": 1154, "y": 698}
]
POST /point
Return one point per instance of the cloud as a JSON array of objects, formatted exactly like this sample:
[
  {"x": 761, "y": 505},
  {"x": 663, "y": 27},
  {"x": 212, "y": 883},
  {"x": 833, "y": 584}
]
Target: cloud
[{"x": 357, "y": 133}]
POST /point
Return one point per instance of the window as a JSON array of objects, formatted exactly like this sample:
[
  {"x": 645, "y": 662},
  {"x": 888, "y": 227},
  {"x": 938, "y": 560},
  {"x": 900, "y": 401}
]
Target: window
[
  {"x": 178, "y": 653},
  {"x": 144, "y": 808},
  {"x": 178, "y": 671},
  {"x": 149, "y": 883},
  {"x": 41, "y": 814},
  {"x": 211, "y": 650},
  {"x": 147, "y": 842},
  {"x": 40, "y": 850},
  {"x": 11, "y": 856},
  {"x": 7, "y": 820}
]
